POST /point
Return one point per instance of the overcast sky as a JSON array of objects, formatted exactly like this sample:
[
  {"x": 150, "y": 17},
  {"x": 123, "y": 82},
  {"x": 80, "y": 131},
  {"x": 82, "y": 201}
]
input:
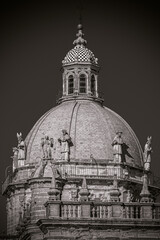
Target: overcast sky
[{"x": 35, "y": 37}]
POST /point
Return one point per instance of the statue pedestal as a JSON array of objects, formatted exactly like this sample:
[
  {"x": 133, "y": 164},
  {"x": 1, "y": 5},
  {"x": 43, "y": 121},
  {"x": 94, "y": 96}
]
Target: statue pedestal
[
  {"x": 146, "y": 211},
  {"x": 53, "y": 208},
  {"x": 116, "y": 210},
  {"x": 85, "y": 209}
]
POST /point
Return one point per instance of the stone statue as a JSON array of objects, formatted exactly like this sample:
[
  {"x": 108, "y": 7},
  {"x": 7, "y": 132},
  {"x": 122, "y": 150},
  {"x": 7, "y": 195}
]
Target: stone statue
[
  {"x": 129, "y": 196},
  {"x": 117, "y": 147},
  {"x": 21, "y": 146},
  {"x": 65, "y": 142},
  {"x": 147, "y": 154},
  {"x": 47, "y": 145},
  {"x": 15, "y": 158}
]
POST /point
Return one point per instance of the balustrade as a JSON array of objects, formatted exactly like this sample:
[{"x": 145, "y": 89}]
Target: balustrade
[
  {"x": 99, "y": 211},
  {"x": 72, "y": 210},
  {"x": 156, "y": 211},
  {"x": 132, "y": 211},
  {"x": 91, "y": 170}
]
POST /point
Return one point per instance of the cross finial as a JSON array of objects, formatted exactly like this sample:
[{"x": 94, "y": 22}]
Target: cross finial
[
  {"x": 80, "y": 40},
  {"x": 80, "y": 9}
]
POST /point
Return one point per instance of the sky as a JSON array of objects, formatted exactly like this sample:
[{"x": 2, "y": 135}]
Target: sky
[{"x": 35, "y": 37}]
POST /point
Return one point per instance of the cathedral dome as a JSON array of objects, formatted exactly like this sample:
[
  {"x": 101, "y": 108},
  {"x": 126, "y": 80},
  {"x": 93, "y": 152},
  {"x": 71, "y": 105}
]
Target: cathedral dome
[
  {"x": 92, "y": 128},
  {"x": 80, "y": 161}
]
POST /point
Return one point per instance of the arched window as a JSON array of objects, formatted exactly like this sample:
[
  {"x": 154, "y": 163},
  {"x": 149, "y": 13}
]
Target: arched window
[
  {"x": 82, "y": 83},
  {"x": 93, "y": 86},
  {"x": 70, "y": 84}
]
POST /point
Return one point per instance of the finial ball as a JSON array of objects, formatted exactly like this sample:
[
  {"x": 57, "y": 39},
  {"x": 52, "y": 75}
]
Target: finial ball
[{"x": 79, "y": 27}]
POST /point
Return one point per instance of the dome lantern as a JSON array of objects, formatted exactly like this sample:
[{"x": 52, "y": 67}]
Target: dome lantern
[{"x": 80, "y": 71}]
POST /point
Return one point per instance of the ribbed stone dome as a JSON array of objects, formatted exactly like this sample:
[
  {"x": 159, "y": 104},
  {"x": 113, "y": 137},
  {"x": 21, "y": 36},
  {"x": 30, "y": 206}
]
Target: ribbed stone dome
[
  {"x": 92, "y": 128},
  {"x": 80, "y": 54}
]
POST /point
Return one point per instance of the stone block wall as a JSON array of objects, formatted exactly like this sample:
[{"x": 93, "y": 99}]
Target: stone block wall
[{"x": 39, "y": 188}]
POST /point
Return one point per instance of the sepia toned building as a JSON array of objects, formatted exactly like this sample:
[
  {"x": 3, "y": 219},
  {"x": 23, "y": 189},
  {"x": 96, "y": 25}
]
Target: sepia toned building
[{"x": 81, "y": 172}]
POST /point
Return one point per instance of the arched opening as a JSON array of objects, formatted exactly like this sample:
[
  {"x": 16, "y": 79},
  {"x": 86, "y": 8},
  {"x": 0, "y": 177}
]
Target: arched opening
[
  {"x": 70, "y": 84},
  {"x": 93, "y": 85},
  {"x": 82, "y": 83}
]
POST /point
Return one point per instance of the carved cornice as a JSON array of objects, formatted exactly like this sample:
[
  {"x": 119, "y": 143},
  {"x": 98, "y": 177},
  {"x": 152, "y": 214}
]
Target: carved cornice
[
  {"x": 45, "y": 224},
  {"x": 80, "y": 97}
]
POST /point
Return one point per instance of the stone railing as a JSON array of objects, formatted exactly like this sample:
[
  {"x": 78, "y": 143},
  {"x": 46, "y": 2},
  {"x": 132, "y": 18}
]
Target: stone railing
[
  {"x": 79, "y": 170},
  {"x": 117, "y": 210},
  {"x": 71, "y": 210},
  {"x": 107, "y": 210},
  {"x": 156, "y": 211}
]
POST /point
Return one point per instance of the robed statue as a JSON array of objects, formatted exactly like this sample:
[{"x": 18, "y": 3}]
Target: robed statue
[
  {"x": 65, "y": 143},
  {"x": 117, "y": 147},
  {"x": 147, "y": 154},
  {"x": 21, "y": 146}
]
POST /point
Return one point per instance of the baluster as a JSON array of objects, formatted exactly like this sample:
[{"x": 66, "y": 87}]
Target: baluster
[
  {"x": 72, "y": 170},
  {"x": 62, "y": 211},
  {"x": 79, "y": 211},
  {"x": 98, "y": 211},
  {"x": 67, "y": 211},
  {"x": 153, "y": 213},
  {"x": 127, "y": 212},
  {"x": 110, "y": 212},
  {"x": 156, "y": 212},
  {"x": 136, "y": 212},
  {"x": 106, "y": 211},
  {"x": 71, "y": 210},
  {"x": 141, "y": 212},
  {"x": 123, "y": 212},
  {"x": 132, "y": 211},
  {"x": 101, "y": 211},
  {"x": 93, "y": 212},
  {"x": 76, "y": 211}
]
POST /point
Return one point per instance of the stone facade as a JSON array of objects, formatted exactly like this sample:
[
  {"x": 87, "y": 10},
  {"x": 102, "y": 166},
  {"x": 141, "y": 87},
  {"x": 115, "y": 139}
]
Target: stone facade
[{"x": 80, "y": 172}]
